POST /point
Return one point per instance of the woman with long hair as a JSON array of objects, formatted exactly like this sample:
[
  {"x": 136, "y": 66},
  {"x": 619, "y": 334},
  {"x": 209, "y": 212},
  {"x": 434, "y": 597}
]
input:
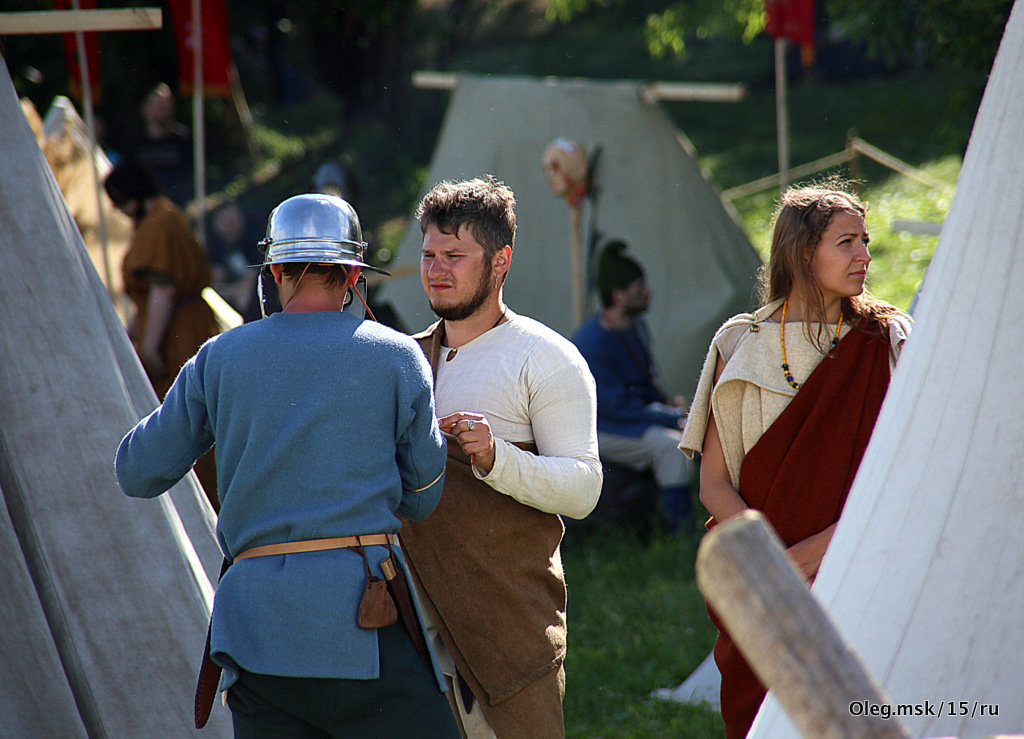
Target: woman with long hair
[{"x": 789, "y": 395}]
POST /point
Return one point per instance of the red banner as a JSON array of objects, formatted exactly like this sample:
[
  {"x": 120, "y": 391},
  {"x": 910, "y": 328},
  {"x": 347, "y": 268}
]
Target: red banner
[
  {"x": 793, "y": 20},
  {"x": 92, "y": 54},
  {"x": 216, "y": 54}
]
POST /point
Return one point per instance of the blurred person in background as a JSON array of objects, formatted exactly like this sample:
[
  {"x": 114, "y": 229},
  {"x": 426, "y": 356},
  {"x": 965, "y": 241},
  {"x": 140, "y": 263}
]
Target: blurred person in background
[
  {"x": 638, "y": 424},
  {"x": 165, "y": 147},
  {"x": 164, "y": 271},
  {"x": 336, "y": 176},
  {"x": 234, "y": 259}
]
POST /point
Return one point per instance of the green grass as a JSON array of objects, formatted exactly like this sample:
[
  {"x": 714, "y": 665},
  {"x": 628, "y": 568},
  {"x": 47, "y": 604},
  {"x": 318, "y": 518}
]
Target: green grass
[{"x": 636, "y": 623}]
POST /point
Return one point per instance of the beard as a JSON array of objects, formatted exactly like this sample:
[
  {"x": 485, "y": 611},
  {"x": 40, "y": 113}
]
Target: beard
[
  {"x": 636, "y": 308},
  {"x": 469, "y": 306}
]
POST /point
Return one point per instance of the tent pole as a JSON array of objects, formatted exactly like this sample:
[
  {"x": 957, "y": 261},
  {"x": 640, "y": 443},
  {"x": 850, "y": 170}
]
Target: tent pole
[
  {"x": 198, "y": 122},
  {"x": 90, "y": 127},
  {"x": 782, "y": 122},
  {"x": 579, "y": 308}
]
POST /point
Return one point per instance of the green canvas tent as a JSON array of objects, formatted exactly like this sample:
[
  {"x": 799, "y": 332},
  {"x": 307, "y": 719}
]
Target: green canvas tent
[{"x": 650, "y": 192}]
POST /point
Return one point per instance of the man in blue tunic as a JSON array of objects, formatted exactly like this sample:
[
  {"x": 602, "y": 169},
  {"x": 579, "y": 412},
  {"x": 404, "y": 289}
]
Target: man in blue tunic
[
  {"x": 326, "y": 435},
  {"x": 638, "y": 424}
]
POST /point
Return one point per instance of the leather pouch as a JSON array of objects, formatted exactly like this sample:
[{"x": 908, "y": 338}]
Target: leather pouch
[{"x": 377, "y": 608}]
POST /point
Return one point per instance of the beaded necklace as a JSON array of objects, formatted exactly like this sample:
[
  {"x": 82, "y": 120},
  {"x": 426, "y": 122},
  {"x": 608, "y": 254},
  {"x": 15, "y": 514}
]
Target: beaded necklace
[{"x": 782, "y": 338}]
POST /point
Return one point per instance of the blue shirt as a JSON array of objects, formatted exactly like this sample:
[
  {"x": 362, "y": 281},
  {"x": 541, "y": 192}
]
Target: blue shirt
[
  {"x": 324, "y": 426},
  {"x": 620, "y": 362}
]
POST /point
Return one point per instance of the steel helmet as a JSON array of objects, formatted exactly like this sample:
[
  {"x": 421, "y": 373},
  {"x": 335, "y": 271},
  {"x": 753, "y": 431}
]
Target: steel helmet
[{"x": 315, "y": 228}]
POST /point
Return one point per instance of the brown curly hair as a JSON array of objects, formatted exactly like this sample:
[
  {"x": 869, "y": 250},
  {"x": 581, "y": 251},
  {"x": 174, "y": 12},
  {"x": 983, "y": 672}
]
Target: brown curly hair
[{"x": 485, "y": 205}]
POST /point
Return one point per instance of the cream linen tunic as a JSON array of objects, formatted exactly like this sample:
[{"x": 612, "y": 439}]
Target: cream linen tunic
[
  {"x": 752, "y": 391},
  {"x": 533, "y": 385}
]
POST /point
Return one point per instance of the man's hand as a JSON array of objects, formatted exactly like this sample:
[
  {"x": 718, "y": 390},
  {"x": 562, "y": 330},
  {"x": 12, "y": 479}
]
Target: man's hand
[{"x": 473, "y": 434}]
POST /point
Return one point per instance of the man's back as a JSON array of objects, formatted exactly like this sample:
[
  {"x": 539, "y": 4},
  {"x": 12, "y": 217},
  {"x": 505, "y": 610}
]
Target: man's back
[{"x": 291, "y": 397}]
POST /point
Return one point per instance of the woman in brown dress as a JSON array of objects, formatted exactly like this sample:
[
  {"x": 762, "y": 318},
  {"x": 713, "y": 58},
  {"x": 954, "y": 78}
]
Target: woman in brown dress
[{"x": 164, "y": 271}]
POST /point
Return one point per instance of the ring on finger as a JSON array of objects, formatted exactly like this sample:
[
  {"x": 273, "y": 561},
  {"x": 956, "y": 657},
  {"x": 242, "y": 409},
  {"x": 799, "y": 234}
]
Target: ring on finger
[{"x": 470, "y": 424}]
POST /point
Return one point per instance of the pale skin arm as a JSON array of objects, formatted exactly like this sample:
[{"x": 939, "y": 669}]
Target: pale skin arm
[
  {"x": 724, "y": 502},
  {"x": 716, "y": 490},
  {"x": 159, "y": 307},
  {"x": 807, "y": 554}
]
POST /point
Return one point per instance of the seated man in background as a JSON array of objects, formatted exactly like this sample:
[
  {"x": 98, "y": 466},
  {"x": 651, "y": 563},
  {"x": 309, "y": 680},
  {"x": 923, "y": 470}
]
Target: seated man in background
[{"x": 638, "y": 425}]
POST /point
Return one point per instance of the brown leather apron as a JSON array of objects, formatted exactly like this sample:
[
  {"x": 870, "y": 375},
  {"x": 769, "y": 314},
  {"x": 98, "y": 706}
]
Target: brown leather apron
[{"x": 489, "y": 569}]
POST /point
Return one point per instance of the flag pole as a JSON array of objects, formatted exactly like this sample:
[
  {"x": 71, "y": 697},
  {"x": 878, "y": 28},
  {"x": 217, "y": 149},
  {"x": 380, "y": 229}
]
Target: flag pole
[
  {"x": 781, "y": 118},
  {"x": 198, "y": 122},
  {"x": 90, "y": 127}
]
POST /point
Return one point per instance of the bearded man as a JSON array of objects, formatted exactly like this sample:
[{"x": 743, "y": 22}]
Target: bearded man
[
  {"x": 518, "y": 405},
  {"x": 638, "y": 424}
]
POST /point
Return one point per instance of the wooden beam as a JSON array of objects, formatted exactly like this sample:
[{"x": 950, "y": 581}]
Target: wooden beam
[
  {"x": 786, "y": 636},
  {"x": 428, "y": 80},
  {"x": 694, "y": 91},
  {"x": 795, "y": 173},
  {"x": 227, "y": 317},
  {"x": 71, "y": 21},
  {"x": 920, "y": 228},
  {"x": 781, "y": 111},
  {"x": 651, "y": 91},
  {"x": 897, "y": 165}
]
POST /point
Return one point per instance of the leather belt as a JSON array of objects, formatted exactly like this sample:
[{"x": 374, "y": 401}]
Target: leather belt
[{"x": 317, "y": 545}]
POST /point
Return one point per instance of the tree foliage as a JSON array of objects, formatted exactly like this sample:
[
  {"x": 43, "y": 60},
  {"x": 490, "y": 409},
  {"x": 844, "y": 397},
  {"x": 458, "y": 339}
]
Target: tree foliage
[
  {"x": 964, "y": 32},
  {"x": 666, "y": 31},
  {"x": 668, "y": 27}
]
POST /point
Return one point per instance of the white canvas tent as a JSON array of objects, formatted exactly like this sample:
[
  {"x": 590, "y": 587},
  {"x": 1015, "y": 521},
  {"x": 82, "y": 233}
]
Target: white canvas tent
[
  {"x": 651, "y": 193},
  {"x": 106, "y": 599},
  {"x": 703, "y": 685},
  {"x": 925, "y": 574}
]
